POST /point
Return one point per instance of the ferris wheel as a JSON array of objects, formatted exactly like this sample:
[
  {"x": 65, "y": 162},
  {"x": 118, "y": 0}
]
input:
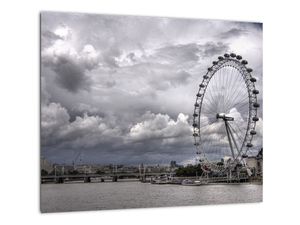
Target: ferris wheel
[{"x": 225, "y": 114}]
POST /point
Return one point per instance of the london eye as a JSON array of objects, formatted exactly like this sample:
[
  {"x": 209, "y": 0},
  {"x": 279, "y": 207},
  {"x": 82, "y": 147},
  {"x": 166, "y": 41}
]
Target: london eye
[{"x": 225, "y": 114}]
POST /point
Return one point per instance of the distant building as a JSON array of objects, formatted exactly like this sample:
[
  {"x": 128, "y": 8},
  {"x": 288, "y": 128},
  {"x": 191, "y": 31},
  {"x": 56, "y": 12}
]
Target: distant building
[
  {"x": 252, "y": 164},
  {"x": 61, "y": 169},
  {"x": 260, "y": 162},
  {"x": 46, "y": 165},
  {"x": 226, "y": 160},
  {"x": 173, "y": 164},
  {"x": 255, "y": 163},
  {"x": 83, "y": 168}
]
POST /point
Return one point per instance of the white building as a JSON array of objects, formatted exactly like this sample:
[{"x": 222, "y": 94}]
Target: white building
[{"x": 46, "y": 165}]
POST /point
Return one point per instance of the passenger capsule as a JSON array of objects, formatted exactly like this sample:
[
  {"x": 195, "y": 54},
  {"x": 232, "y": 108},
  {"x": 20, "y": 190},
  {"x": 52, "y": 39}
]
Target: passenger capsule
[
  {"x": 198, "y": 95},
  {"x": 205, "y": 77},
  {"x": 255, "y": 92},
  {"x": 252, "y": 132},
  {"x": 249, "y": 145},
  {"x": 256, "y": 105},
  {"x": 244, "y": 62},
  {"x": 249, "y": 70},
  {"x": 255, "y": 118},
  {"x": 202, "y": 85},
  {"x": 226, "y": 55},
  {"x": 244, "y": 156},
  {"x": 195, "y": 134},
  {"x": 238, "y": 57},
  {"x": 195, "y": 125},
  {"x": 232, "y": 55},
  {"x": 196, "y": 104},
  {"x": 215, "y": 62},
  {"x": 196, "y": 144},
  {"x": 252, "y": 79},
  {"x": 195, "y": 115},
  {"x": 209, "y": 69},
  {"x": 220, "y": 58}
]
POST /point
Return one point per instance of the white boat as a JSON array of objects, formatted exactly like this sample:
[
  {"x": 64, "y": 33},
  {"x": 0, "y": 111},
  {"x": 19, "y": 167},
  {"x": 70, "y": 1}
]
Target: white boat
[
  {"x": 160, "y": 180},
  {"x": 188, "y": 182},
  {"x": 165, "y": 179}
]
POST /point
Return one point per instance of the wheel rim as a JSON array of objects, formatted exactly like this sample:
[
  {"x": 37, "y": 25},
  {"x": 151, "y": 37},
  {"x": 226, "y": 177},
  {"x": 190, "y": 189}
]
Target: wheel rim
[{"x": 227, "y": 90}]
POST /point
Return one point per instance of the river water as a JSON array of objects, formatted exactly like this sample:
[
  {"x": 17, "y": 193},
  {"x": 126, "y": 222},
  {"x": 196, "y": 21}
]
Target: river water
[{"x": 121, "y": 195}]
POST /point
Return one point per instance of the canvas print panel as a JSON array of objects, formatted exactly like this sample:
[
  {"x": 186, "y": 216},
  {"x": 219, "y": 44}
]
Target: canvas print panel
[{"x": 149, "y": 112}]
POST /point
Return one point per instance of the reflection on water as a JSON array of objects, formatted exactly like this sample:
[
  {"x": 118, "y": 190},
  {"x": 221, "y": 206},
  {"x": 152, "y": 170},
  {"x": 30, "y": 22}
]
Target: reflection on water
[{"x": 121, "y": 195}]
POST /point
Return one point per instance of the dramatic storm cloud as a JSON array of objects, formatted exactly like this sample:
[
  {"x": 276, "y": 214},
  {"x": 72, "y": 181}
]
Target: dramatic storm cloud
[{"x": 121, "y": 89}]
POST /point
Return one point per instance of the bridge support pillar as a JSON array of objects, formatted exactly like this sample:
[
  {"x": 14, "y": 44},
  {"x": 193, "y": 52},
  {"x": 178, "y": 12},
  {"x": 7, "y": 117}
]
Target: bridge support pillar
[
  {"x": 143, "y": 179},
  {"x": 59, "y": 180},
  {"x": 87, "y": 180}
]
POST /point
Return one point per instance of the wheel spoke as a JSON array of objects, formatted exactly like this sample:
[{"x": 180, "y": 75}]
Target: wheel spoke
[{"x": 226, "y": 94}]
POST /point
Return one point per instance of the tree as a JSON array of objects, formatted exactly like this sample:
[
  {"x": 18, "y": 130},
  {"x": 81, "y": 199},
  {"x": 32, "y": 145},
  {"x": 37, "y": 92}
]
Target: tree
[
  {"x": 99, "y": 172},
  {"x": 44, "y": 172},
  {"x": 73, "y": 172},
  {"x": 189, "y": 171}
]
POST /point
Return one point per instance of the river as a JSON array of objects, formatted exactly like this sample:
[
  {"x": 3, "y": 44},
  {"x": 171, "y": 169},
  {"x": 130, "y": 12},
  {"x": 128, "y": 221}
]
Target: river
[{"x": 121, "y": 195}]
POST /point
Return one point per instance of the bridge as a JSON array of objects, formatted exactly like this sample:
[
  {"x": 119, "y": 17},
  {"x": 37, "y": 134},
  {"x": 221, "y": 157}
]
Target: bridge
[{"x": 102, "y": 177}]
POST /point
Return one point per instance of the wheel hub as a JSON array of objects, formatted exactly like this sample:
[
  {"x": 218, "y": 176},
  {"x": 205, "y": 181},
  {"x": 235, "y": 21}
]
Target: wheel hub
[{"x": 224, "y": 117}]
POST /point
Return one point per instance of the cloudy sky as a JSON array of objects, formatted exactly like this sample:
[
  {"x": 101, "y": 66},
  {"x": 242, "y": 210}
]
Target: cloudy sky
[{"x": 121, "y": 89}]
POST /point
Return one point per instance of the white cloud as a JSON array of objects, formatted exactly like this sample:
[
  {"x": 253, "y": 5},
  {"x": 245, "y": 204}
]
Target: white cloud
[
  {"x": 63, "y": 32},
  {"x": 82, "y": 133},
  {"x": 53, "y": 119},
  {"x": 90, "y": 57},
  {"x": 160, "y": 126}
]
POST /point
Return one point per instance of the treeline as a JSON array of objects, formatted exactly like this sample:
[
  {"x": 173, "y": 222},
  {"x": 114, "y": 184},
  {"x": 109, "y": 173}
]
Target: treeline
[
  {"x": 189, "y": 171},
  {"x": 68, "y": 172}
]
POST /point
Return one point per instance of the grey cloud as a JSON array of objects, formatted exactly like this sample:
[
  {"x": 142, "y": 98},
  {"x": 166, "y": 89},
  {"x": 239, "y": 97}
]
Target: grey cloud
[
  {"x": 179, "y": 53},
  {"x": 164, "y": 78},
  {"x": 249, "y": 26},
  {"x": 71, "y": 63},
  {"x": 109, "y": 57},
  {"x": 71, "y": 75},
  {"x": 132, "y": 56},
  {"x": 234, "y": 32},
  {"x": 71, "y": 67},
  {"x": 211, "y": 49},
  {"x": 181, "y": 77},
  {"x": 111, "y": 83},
  {"x": 48, "y": 38},
  {"x": 190, "y": 53}
]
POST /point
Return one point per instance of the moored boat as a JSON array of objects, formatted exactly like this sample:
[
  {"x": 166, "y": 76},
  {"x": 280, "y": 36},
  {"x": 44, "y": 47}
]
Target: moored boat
[{"x": 187, "y": 182}]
